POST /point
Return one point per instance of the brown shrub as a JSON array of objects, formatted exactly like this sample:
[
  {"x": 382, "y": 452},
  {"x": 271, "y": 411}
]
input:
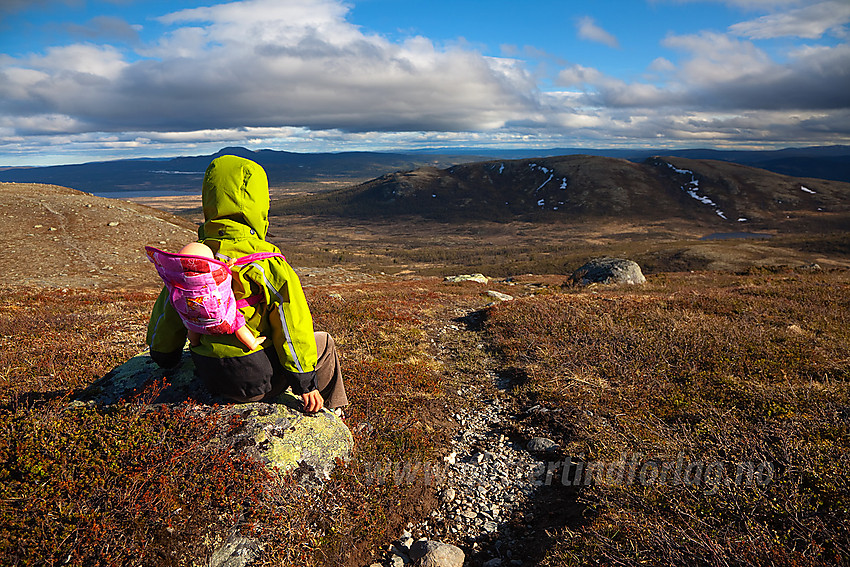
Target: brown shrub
[{"x": 697, "y": 370}]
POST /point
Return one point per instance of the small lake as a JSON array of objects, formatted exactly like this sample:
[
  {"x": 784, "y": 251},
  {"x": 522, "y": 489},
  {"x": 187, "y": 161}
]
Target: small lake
[
  {"x": 731, "y": 235},
  {"x": 143, "y": 193}
]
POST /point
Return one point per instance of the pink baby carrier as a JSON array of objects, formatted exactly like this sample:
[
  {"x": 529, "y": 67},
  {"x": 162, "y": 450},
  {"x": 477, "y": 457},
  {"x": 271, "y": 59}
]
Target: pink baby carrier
[{"x": 200, "y": 290}]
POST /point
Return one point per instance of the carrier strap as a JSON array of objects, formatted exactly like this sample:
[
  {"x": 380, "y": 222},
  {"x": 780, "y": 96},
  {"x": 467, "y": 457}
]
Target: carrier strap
[
  {"x": 257, "y": 256},
  {"x": 256, "y": 298},
  {"x": 249, "y": 301}
]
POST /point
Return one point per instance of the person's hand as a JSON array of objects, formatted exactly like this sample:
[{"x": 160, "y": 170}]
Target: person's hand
[{"x": 313, "y": 401}]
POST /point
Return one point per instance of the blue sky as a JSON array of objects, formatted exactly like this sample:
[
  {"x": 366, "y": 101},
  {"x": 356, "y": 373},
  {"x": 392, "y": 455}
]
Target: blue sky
[{"x": 84, "y": 80}]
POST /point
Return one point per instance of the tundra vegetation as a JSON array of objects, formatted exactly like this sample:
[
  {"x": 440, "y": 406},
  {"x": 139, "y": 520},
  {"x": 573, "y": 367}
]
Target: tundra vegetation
[
  {"x": 708, "y": 373},
  {"x": 706, "y": 366}
]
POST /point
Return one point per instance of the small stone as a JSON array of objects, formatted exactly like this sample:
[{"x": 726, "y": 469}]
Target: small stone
[
  {"x": 495, "y": 562},
  {"x": 500, "y": 296},
  {"x": 436, "y": 554},
  {"x": 451, "y": 458},
  {"x": 237, "y": 551},
  {"x": 113, "y": 223},
  {"x": 478, "y": 278},
  {"x": 448, "y": 495},
  {"x": 542, "y": 444}
]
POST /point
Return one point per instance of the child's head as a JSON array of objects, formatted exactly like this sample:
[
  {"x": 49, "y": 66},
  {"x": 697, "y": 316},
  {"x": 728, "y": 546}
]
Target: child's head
[
  {"x": 197, "y": 249},
  {"x": 235, "y": 197}
]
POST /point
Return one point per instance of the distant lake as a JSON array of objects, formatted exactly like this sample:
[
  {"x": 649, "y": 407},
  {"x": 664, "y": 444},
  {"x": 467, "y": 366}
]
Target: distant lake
[
  {"x": 730, "y": 235},
  {"x": 149, "y": 193}
]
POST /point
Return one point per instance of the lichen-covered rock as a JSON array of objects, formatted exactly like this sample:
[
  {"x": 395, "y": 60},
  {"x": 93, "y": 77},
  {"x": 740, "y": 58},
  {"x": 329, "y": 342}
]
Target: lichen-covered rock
[
  {"x": 609, "y": 271},
  {"x": 478, "y": 278},
  {"x": 277, "y": 433},
  {"x": 237, "y": 551},
  {"x": 286, "y": 438}
]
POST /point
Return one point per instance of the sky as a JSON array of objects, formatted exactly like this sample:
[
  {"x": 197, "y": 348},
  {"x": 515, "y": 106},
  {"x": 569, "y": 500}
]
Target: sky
[{"x": 86, "y": 80}]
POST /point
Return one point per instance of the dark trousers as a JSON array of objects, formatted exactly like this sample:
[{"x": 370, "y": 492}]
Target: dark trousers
[{"x": 260, "y": 376}]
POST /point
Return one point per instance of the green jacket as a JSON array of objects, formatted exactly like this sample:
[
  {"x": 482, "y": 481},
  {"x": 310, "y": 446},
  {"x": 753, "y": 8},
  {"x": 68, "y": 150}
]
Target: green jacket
[{"x": 236, "y": 204}]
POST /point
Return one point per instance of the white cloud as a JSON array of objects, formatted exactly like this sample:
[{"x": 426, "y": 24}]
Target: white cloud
[
  {"x": 587, "y": 29},
  {"x": 809, "y": 22},
  {"x": 661, "y": 65},
  {"x": 102, "y": 61},
  {"x": 727, "y": 73},
  {"x": 718, "y": 58},
  {"x": 268, "y": 63},
  {"x": 578, "y": 75},
  {"x": 299, "y": 75}
]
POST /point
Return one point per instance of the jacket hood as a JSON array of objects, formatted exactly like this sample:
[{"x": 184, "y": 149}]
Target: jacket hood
[{"x": 235, "y": 197}]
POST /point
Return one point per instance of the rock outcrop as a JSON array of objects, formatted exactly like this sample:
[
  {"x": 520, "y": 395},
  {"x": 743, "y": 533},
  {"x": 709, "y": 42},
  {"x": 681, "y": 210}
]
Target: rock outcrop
[
  {"x": 478, "y": 278},
  {"x": 609, "y": 271},
  {"x": 276, "y": 433}
]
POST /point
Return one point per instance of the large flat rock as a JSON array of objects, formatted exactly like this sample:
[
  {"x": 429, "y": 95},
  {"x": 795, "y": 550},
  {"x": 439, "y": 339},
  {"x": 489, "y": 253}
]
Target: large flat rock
[{"x": 277, "y": 433}]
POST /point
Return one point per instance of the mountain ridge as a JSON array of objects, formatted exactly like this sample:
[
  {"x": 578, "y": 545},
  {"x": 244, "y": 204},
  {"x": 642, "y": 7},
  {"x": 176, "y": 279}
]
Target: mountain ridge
[
  {"x": 706, "y": 191},
  {"x": 184, "y": 173}
]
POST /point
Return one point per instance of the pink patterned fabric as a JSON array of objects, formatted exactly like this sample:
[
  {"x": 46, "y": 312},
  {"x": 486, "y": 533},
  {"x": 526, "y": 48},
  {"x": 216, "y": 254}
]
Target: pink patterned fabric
[{"x": 200, "y": 291}]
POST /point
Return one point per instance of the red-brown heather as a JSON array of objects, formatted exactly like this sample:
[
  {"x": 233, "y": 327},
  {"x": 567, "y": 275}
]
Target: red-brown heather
[{"x": 743, "y": 362}]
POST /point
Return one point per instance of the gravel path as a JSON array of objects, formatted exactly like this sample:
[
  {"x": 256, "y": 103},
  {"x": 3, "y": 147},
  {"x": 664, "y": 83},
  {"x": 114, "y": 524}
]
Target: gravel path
[{"x": 487, "y": 479}]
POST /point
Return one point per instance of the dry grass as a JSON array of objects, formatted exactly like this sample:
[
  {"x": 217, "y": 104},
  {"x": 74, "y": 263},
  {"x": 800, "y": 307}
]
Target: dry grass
[
  {"x": 112, "y": 486},
  {"x": 698, "y": 369}
]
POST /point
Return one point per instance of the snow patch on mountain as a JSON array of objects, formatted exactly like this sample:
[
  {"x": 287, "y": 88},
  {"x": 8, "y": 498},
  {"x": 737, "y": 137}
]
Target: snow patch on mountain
[{"x": 692, "y": 188}]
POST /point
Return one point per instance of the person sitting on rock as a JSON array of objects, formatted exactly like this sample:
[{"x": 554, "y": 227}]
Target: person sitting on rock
[{"x": 236, "y": 201}]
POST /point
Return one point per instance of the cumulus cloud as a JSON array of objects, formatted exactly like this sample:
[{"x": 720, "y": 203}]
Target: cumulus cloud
[
  {"x": 587, "y": 29},
  {"x": 291, "y": 73},
  {"x": 809, "y": 22},
  {"x": 722, "y": 73},
  {"x": 726, "y": 73},
  {"x": 661, "y": 65},
  {"x": 268, "y": 63}
]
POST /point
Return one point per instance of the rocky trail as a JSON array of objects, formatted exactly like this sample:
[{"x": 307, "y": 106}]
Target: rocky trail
[{"x": 490, "y": 477}]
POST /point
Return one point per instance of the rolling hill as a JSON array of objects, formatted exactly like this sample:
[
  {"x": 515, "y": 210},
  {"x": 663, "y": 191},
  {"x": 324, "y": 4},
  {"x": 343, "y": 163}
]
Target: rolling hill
[
  {"x": 705, "y": 191},
  {"x": 184, "y": 174}
]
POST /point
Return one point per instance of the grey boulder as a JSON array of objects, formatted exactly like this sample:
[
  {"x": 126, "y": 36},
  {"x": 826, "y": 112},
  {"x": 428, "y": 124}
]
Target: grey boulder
[{"x": 609, "y": 271}]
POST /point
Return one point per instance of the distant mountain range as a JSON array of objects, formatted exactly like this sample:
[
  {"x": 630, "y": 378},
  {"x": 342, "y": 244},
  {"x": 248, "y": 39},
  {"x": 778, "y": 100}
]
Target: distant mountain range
[
  {"x": 185, "y": 173},
  {"x": 709, "y": 192}
]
